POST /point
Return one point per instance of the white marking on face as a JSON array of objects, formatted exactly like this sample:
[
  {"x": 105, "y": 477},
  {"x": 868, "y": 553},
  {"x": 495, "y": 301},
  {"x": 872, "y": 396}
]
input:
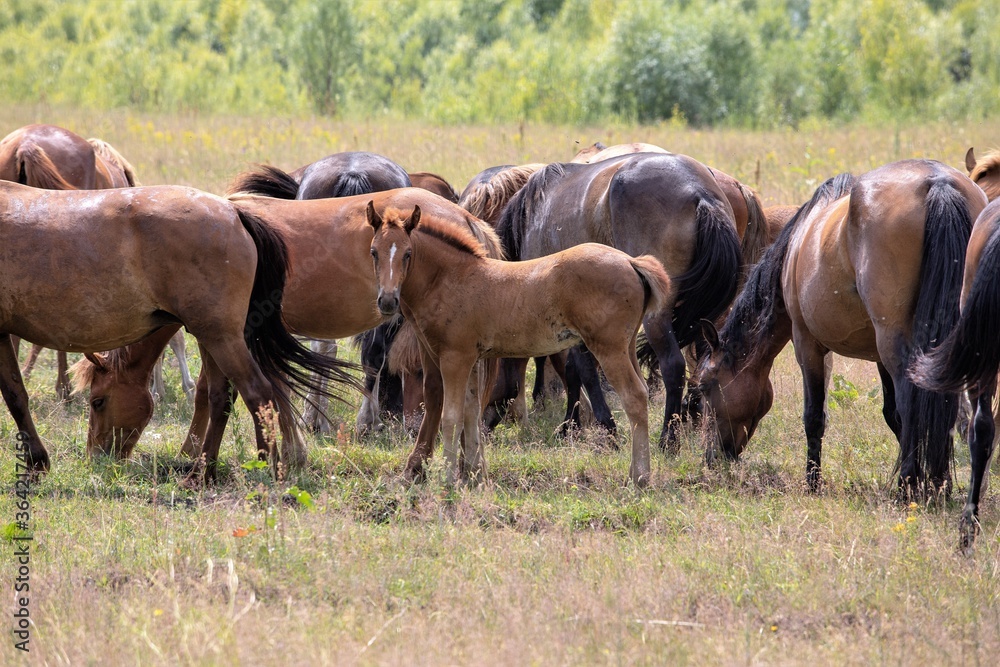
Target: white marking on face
[{"x": 392, "y": 253}]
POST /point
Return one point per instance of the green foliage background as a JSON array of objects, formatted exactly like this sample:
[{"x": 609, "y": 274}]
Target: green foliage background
[{"x": 737, "y": 63}]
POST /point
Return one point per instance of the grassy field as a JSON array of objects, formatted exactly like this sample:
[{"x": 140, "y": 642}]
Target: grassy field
[{"x": 555, "y": 559}]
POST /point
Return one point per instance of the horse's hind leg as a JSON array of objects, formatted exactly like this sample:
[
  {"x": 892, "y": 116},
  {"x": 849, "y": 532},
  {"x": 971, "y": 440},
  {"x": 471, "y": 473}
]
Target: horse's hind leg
[
  {"x": 472, "y": 462},
  {"x": 981, "y": 436},
  {"x": 581, "y": 370},
  {"x": 661, "y": 338},
  {"x": 314, "y": 414},
  {"x": 199, "y": 422},
  {"x": 622, "y": 375},
  {"x": 889, "y": 410},
  {"x": 423, "y": 446},
  {"x": 177, "y": 345},
  {"x": 16, "y": 398},
  {"x": 159, "y": 386},
  {"x": 62, "y": 377},
  {"x": 29, "y": 364}
]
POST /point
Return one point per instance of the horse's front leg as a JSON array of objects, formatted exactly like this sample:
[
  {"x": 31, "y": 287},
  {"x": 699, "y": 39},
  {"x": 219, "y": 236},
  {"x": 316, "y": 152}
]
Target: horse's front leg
[
  {"x": 455, "y": 372},
  {"x": 423, "y": 446},
  {"x": 661, "y": 337},
  {"x": 981, "y": 449},
  {"x": 816, "y": 365},
  {"x": 16, "y": 398},
  {"x": 473, "y": 460}
]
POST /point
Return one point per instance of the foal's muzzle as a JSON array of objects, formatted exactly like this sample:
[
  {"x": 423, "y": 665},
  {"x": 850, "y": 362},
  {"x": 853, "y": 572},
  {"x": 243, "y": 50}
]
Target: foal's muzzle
[{"x": 388, "y": 303}]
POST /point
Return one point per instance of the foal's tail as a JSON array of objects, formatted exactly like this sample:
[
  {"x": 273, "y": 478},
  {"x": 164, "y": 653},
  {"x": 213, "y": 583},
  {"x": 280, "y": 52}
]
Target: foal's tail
[
  {"x": 35, "y": 168},
  {"x": 266, "y": 181},
  {"x": 655, "y": 283},
  {"x": 707, "y": 288},
  {"x": 289, "y": 365},
  {"x": 926, "y": 442}
]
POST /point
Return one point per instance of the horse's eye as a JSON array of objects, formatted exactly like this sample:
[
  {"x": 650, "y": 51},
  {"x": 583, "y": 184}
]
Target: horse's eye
[
  {"x": 407, "y": 254},
  {"x": 97, "y": 403},
  {"x": 374, "y": 253}
]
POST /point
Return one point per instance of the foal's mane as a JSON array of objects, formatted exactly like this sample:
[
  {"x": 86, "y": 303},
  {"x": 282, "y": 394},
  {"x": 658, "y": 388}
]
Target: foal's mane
[
  {"x": 987, "y": 170},
  {"x": 111, "y": 155},
  {"x": 518, "y": 211},
  {"x": 755, "y": 312},
  {"x": 453, "y": 235},
  {"x": 83, "y": 371}
]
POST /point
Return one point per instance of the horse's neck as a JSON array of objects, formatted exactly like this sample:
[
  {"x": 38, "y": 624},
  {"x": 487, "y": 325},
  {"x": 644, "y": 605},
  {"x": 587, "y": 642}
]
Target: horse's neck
[
  {"x": 144, "y": 353},
  {"x": 436, "y": 266},
  {"x": 769, "y": 345}
]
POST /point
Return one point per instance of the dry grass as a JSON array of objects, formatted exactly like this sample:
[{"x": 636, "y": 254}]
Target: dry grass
[{"x": 554, "y": 560}]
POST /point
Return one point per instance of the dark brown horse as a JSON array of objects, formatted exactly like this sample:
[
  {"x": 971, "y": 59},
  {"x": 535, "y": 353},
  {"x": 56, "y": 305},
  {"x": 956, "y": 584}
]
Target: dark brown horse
[
  {"x": 869, "y": 269},
  {"x": 467, "y": 307},
  {"x": 666, "y": 205},
  {"x": 137, "y": 260},
  {"x": 52, "y": 157},
  {"x": 329, "y": 295},
  {"x": 969, "y": 358}
]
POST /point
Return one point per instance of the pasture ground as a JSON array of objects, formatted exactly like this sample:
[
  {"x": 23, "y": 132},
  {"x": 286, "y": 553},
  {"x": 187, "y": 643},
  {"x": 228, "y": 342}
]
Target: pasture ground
[{"x": 554, "y": 560}]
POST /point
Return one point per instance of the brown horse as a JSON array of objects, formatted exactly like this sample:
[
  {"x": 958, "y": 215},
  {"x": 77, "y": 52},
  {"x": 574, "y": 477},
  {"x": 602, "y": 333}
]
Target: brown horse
[
  {"x": 869, "y": 269},
  {"x": 133, "y": 261},
  {"x": 467, "y": 307},
  {"x": 985, "y": 172},
  {"x": 52, "y": 157},
  {"x": 667, "y": 205},
  {"x": 329, "y": 295},
  {"x": 969, "y": 358},
  {"x": 433, "y": 183}
]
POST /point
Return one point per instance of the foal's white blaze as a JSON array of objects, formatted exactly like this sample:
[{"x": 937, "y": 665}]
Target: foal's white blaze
[{"x": 392, "y": 253}]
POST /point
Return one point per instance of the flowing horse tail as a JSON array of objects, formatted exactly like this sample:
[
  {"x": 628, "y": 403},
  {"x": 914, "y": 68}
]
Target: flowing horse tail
[
  {"x": 266, "y": 181},
  {"x": 35, "y": 168},
  {"x": 288, "y": 365},
  {"x": 925, "y": 440},
  {"x": 755, "y": 238},
  {"x": 706, "y": 289},
  {"x": 655, "y": 282}
]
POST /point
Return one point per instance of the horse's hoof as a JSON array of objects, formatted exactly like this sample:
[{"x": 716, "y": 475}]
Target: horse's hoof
[
  {"x": 640, "y": 479},
  {"x": 968, "y": 528}
]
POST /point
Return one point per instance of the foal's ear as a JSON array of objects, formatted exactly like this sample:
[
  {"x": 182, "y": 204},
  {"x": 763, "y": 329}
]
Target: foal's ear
[
  {"x": 97, "y": 360},
  {"x": 373, "y": 217},
  {"x": 710, "y": 333},
  {"x": 970, "y": 160},
  {"x": 414, "y": 220}
]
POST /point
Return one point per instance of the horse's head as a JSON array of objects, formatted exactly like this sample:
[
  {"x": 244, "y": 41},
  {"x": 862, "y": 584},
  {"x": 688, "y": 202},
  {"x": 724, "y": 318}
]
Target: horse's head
[
  {"x": 120, "y": 404},
  {"x": 735, "y": 396},
  {"x": 391, "y": 251}
]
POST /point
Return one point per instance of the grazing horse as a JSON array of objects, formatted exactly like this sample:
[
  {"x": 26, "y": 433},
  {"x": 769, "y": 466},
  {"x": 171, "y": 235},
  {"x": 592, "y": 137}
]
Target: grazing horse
[
  {"x": 985, "y": 172},
  {"x": 136, "y": 260},
  {"x": 330, "y": 294},
  {"x": 869, "y": 269},
  {"x": 969, "y": 358},
  {"x": 467, "y": 307},
  {"x": 339, "y": 175},
  {"x": 666, "y": 205},
  {"x": 53, "y": 158}
]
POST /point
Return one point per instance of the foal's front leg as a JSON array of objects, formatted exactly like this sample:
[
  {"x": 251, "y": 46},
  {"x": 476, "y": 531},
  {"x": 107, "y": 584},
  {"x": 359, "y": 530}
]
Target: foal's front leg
[
  {"x": 16, "y": 398},
  {"x": 423, "y": 446},
  {"x": 455, "y": 371}
]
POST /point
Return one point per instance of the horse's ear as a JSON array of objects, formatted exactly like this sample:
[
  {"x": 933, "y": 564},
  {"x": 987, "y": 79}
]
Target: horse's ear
[
  {"x": 414, "y": 220},
  {"x": 373, "y": 217},
  {"x": 97, "y": 360},
  {"x": 710, "y": 333},
  {"x": 970, "y": 160}
]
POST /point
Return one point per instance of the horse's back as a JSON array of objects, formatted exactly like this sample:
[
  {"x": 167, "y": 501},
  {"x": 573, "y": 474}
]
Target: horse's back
[
  {"x": 351, "y": 173},
  {"x": 68, "y": 151}
]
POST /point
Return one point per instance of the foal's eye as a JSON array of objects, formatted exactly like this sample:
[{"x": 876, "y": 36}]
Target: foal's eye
[
  {"x": 407, "y": 255},
  {"x": 97, "y": 403},
  {"x": 374, "y": 253}
]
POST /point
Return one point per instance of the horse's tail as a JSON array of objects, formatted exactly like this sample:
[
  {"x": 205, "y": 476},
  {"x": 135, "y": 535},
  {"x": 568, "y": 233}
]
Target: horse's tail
[
  {"x": 266, "y": 181},
  {"x": 706, "y": 289},
  {"x": 35, "y": 168},
  {"x": 290, "y": 366},
  {"x": 755, "y": 239},
  {"x": 931, "y": 414},
  {"x": 655, "y": 282},
  {"x": 352, "y": 183}
]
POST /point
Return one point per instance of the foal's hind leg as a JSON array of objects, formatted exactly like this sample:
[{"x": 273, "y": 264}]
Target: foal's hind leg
[
  {"x": 62, "y": 377},
  {"x": 177, "y": 345},
  {"x": 16, "y": 398},
  {"x": 628, "y": 383},
  {"x": 29, "y": 364}
]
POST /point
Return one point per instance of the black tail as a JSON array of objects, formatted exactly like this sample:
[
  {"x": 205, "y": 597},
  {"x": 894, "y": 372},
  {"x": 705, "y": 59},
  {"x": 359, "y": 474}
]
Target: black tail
[
  {"x": 707, "y": 288},
  {"x": 517, "y": 213},
  {"x": 351, "y": 183},
  {"x": 926, "y": 436},
  {"x": 267, "y": 181},
  {"x": 290, "y": 366}
]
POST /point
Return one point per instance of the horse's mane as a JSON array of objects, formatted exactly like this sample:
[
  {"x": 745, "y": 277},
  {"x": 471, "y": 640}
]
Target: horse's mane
[
  {"x": 755, "y": 311},
  {"x": 988, "y": 170},
  {"x": 519, "y": 209},
  {"x": 110, "y": 154},
  {"x": 486, "y": 236},
  {"x": 486, "y": 200},
  {"x": 83, "y": 371},
  {"x": 453, "y": 235}
]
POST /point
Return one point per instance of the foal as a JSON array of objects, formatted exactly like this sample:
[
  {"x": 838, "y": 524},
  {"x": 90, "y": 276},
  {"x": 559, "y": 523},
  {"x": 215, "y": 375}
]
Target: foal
[{"x": 466, "y": 307}]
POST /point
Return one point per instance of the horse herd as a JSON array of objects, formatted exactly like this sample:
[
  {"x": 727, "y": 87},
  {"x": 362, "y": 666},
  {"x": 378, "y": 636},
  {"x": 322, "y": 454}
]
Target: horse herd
[{"x": 564, "y": 261}]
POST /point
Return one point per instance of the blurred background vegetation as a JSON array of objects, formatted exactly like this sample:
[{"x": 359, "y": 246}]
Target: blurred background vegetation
[{"x": 757, "y": 64}]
